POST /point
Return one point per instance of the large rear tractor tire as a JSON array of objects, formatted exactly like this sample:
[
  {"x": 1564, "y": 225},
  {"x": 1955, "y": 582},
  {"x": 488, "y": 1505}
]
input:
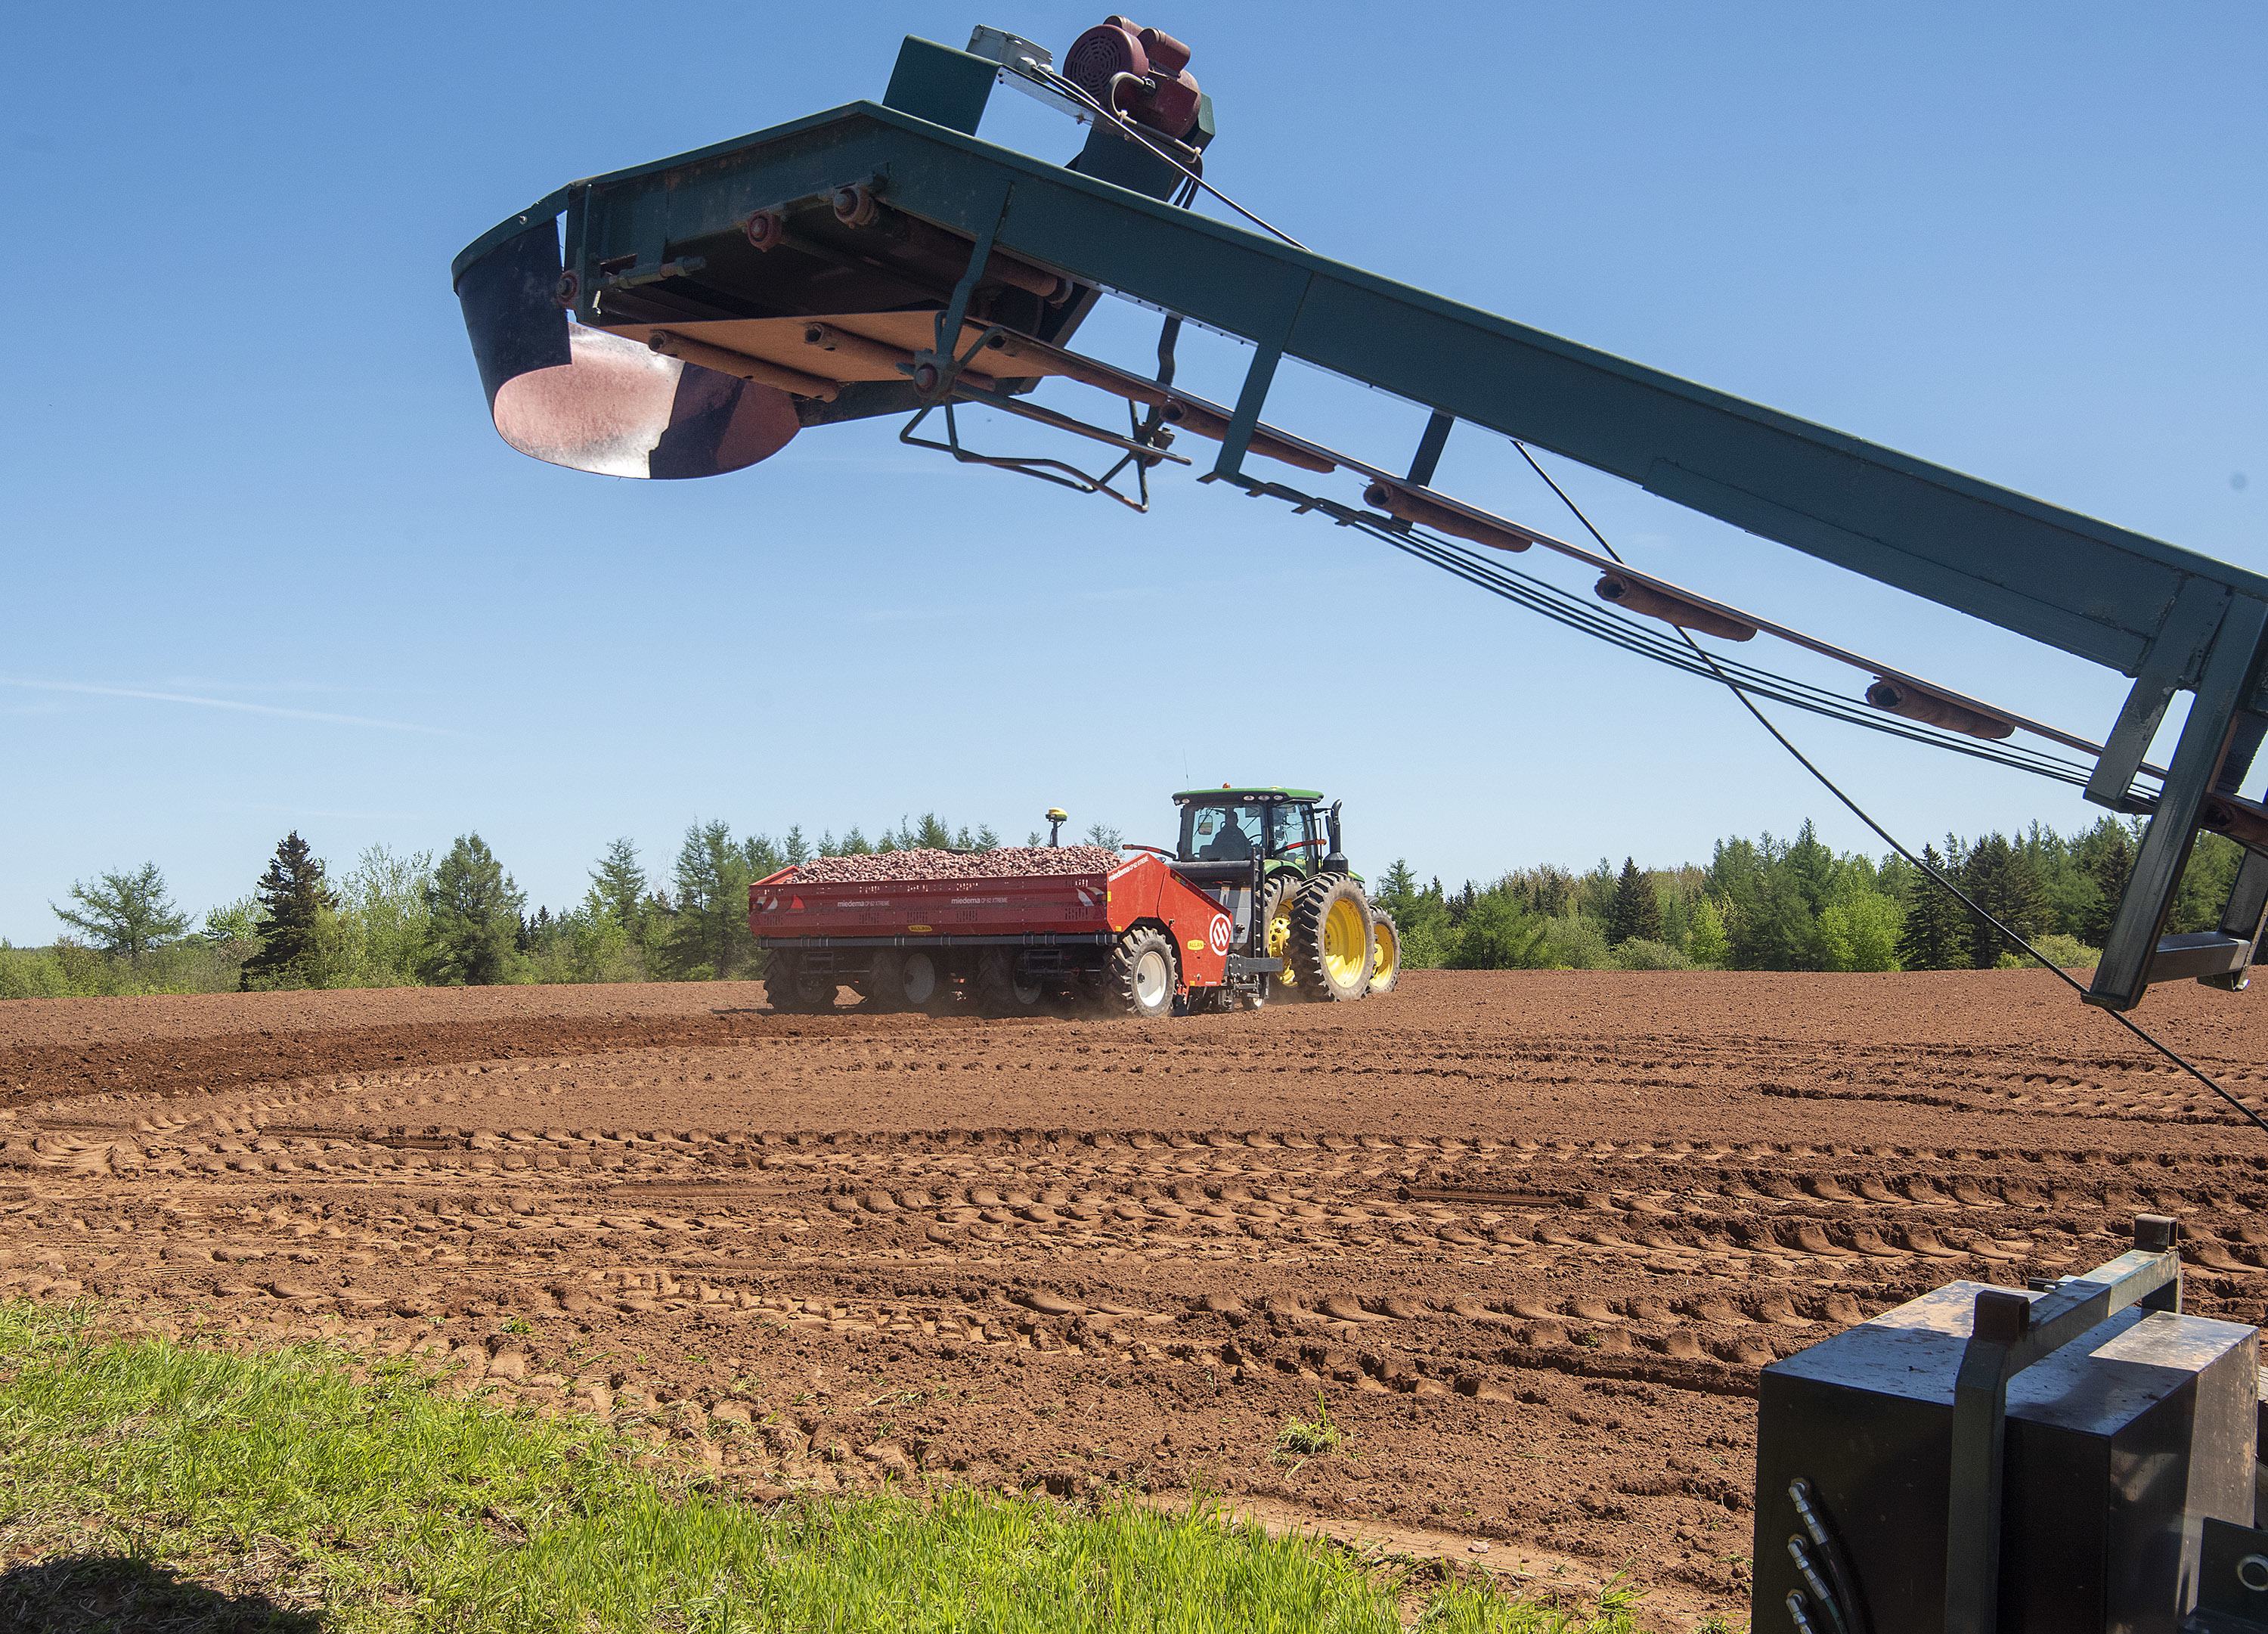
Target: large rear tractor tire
[
  {"x": 1329, "y": 948},
  {"x": 792, "y": 992},
  {"x": 998, "y": 992},
  {"x": 1141, "y": 975},
  {"x": 1278, "y": 898},
  {"x": 1385, "y": 953}
]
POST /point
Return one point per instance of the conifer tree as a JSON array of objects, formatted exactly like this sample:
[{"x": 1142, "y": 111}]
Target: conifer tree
[
  {"x": 293, "y": 897},
  {"x": 127, "y": 915},
  {"x": 2108, "y": 868},
  {"x": 473, "y": 912},
  {"x": 1935, "y": 936},
  {"x": 2002, "y": 881},
  {"x": 1812, "y": 862},
  {"x": 1397, "y": 889},
  {"x": 1636, "y": 912},
  {"x": 620, "y": 881},
  {"x": 763, "y": 855},
  {"x": 709, "y": 937}
]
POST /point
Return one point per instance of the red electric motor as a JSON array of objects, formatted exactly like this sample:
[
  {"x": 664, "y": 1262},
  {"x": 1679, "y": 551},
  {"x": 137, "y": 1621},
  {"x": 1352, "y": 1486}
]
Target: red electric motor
[{"x": 1158, "y": 92}]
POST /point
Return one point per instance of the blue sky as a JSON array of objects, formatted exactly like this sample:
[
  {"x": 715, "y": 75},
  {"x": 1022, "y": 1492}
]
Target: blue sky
[{"x": 269, "y": 566}]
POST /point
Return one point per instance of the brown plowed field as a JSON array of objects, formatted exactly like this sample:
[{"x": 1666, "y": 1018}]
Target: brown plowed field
[{"x": 1530, "y": 1234}]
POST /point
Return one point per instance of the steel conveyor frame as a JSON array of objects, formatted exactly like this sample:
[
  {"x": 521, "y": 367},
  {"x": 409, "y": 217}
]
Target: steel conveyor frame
[{"x": 2171, "y": 619}]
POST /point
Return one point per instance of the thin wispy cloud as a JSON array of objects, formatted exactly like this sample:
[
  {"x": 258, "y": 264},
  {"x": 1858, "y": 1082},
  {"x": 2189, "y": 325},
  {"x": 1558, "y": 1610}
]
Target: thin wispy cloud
[
  {"x": 235, "y": 704},
  {"x": 320, "y": 811},
  {"x": 302, "y": 689},
  {"x": 907, "y": 615}
]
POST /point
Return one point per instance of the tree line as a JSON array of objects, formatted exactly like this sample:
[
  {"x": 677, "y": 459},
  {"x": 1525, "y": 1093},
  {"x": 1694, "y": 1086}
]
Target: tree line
[
  {"x": 1796, "y": 904},
  {"x": 397, "y": 919},
  {"x": 404, "y": 919}
]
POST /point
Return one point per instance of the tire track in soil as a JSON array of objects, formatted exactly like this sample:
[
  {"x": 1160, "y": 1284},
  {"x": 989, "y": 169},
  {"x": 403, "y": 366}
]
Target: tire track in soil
[{"x": 629, "y": 1219}]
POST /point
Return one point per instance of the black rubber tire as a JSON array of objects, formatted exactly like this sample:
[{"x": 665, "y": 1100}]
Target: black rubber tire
[
  {"x": 1381, "y": 984},
  {"x": 886, "y": 982},
  {"x": 1135, "y": 986},
  {"x": 1277, "y": 897},
  {"x": 1327, "y": 897},
  {"x": 790, "y": 995},
  {"x": 997, "y": 992},
  {"x": 780, "y": 983},
  {"x": 1095, "y": 993}
]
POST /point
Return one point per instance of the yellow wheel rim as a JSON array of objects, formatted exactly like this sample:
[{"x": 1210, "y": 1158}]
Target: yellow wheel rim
[
  {"x": 1280, "y": 937},
  {"x": 1346, "y": 941},
  {"x": 1386, "y": 953}
]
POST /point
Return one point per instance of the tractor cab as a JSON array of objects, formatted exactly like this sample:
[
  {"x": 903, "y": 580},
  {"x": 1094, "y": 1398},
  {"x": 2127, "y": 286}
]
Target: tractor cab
[
  {"x": 1310, "y": 923},
  {"x": 1283, "y": 828}
]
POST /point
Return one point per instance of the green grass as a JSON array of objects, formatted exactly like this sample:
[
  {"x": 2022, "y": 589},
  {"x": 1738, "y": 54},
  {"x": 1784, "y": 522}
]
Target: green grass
[
  {"x": 1311, "y": 1438},
  {"x": 158, "y": 1486}
]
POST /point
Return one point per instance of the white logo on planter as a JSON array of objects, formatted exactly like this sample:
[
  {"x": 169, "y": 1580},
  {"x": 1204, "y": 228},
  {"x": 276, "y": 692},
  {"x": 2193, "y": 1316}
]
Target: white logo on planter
[{"x": 1221, "y": 933}]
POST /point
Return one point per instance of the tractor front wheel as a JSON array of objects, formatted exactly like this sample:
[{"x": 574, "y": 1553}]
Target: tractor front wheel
[
  {"x": 1141, "y": 976},
  {"x": 1278, "y": 898},
  {"x": 1329, "y": 947}
]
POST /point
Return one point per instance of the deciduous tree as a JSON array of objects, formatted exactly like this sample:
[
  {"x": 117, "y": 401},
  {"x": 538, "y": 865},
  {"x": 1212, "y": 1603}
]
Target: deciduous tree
[
  {"x": 1706, "y": 943},
  {"x": 1859, "y": 930},
  {"x": 1497, "y": 936}
]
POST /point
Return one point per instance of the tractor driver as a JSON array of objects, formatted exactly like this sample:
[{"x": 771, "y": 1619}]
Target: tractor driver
[{"x": 1235, "y": 832}]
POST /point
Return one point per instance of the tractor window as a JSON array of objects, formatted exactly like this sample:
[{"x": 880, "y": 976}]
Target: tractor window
[
  {"x": 1218, "y": 833},
  {"x": 1291, "y": 826}
]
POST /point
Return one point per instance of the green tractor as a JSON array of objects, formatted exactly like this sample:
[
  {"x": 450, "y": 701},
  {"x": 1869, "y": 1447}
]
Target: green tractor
[{"x": 1336, "y": 944}]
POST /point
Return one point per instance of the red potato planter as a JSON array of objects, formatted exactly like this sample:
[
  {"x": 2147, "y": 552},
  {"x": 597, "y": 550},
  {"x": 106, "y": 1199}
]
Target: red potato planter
[{"x": 1014, "y": 928}]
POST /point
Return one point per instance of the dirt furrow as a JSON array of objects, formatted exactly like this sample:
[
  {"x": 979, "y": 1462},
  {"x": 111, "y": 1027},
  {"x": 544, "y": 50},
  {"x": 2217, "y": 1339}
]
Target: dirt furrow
[{"x": 1527, "y": 1238}]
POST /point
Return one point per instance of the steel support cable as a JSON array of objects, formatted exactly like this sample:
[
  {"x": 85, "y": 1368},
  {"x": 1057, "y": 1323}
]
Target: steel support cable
[
  {"x": 1890, "y": 840},
  {"x": 1562, "y": 607},
  {"x": 1842, "y": 708},
  {"x": 1566, "y": 608},
  {"x": 1796, "y": 638},
  {"x": 1558, "y": 605}
]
